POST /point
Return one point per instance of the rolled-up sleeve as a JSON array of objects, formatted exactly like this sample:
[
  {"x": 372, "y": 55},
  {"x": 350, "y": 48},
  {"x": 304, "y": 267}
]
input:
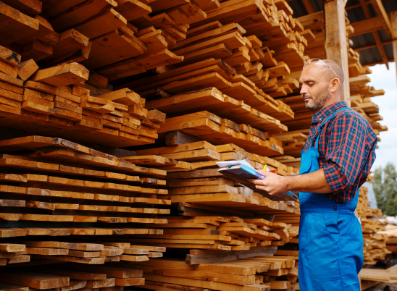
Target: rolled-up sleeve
[{"x": 350, "y": 152}]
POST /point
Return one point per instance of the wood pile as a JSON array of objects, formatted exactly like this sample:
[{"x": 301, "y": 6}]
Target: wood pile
[
  {"x": 69, "y": 203},
  {"x": 219, "y": 221},
  {"x": 52, "y": 101},
  {"x": 71, "y": 277},
  {"x": 186, "y": 83},
  {"x": 370, "y": 277},
  {"x": 374, "y": 239},
  {"x": 256, "y": 274},
  {"x": 65, "y": 72},
  {"x": 391, "y": 233}
]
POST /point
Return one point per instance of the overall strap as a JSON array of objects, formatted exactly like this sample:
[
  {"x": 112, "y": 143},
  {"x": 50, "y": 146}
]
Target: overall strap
[{"x": 320, "y": 128}]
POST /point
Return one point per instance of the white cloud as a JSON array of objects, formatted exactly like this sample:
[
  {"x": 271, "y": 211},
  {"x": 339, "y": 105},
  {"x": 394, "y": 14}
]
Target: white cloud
[{"x": 381, "y": 78}]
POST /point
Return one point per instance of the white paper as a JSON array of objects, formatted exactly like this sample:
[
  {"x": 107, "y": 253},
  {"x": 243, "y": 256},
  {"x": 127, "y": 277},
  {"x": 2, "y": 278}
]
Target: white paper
[{"x": 225, "y": 164}]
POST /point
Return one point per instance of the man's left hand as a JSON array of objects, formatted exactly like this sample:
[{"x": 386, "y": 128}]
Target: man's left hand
[{"x": 273, "y": 184}]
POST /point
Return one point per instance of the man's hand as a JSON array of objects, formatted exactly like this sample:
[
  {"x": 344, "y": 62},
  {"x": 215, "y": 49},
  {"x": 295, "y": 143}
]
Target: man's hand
[{"x": 273, "y": 184}]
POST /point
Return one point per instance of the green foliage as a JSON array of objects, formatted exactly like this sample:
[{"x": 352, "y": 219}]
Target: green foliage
[{"x": 385, "y": 188}]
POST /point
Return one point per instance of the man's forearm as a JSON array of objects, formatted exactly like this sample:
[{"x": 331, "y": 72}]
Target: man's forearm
[{"x": 314, "y": 182}]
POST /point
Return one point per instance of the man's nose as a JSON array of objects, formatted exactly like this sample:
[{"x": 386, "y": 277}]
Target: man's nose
[{"x": 303, "y": 90}]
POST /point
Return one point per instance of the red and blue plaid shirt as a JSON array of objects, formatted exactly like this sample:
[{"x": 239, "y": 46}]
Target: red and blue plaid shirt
[{"x": 346, "y": 147}]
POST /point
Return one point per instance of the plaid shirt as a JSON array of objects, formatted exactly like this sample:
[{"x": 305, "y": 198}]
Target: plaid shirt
[{"x": 347, "y": 150}]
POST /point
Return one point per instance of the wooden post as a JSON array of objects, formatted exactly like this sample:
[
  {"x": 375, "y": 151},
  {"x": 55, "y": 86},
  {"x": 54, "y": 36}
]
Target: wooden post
[
  {"x": 395, "y": 56},
  {"x": 393, "y": 24},
  {"x": 335, "y": 40}
]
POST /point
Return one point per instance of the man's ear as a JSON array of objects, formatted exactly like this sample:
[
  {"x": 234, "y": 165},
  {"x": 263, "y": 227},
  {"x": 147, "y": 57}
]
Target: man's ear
[{"x": 334, "y": 85}]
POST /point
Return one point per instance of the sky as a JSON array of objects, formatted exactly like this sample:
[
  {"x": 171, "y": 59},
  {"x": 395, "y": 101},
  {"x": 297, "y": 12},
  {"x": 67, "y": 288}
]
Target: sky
[{"x": 381, "y": 78}]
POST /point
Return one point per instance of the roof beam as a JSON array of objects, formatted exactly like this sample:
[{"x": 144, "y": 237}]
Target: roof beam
[
  {"x": 395, "y": 53},
  {"x": 381, "y": 49},
  {"x": 375, "y": 34},
  {"x": 366, "y": 26},
  {"x": 377, "y": 63},
  {"x": 364, "y": 6},
  {"x": 353, "y": 6},
  {"x": 381, "y": 12},
  {"x": 372, "y": 46},
  {"x": 308, "y": 6}
]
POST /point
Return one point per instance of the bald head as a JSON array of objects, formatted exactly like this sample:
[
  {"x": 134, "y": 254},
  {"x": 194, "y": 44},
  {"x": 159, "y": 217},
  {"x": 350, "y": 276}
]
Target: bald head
[{"x": 338, "y": 70}]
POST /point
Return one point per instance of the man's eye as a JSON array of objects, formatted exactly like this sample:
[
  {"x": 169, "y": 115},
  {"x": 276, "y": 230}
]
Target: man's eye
[{"x": 310, "y": 84}]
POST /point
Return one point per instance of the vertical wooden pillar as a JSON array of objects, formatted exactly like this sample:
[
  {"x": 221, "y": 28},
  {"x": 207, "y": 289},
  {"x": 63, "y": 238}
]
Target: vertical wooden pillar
[
  {"x": 395, "y": 56},
  {"x": 393, "y": 27},
  {"x": 336, "y": 41}
]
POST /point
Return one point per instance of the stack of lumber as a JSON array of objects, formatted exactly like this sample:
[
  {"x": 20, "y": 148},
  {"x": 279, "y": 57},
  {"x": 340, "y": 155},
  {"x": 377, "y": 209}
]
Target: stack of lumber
[
  {"x": 362, "y": 103},
  {"x": 361, "y": 93},
  {"x": 70, "y": 277},
  {"x": 204, "y": 155},
  {"x": 225, "y": 62},
  {"x": 256, "y": 274},
  {"x": 374, "y": 238},
  {"x": 210, "y": 205},
  {"x": 62, "y": 201},
  {"x": 219, "y": 233},
  {"x": 370, "y": 277},
  {"x": 51, "y": 102},
  {"x": 391, "y": 233},
  {"x": 75, "y": 252},
  {"x": 106, "y": 74}
]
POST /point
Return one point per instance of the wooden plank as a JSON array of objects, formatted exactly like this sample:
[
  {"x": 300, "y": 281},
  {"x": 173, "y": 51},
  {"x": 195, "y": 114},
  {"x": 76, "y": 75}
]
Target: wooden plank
[
  {"x": 62, "y": 75},
  {"x": 115, "y": 272},
  {"x": 9, "y": 56},
  {"x": 77, "y": 274},
  {"x": 130, "y": 282},
  {"x": 75, "y": 285},
  {"x": 102, "y": 23},
  {"x": 27, "y": 69},
  {"x": 34, "y": 280},
  {"x": 381, "y": 12},
  {"x": 204, "y": 284},
  {"x": 8, "y": 69},
  {"x": 8, "y": 287},
  {"x": 16, "y": 25},
  {"x": 31, "y": 7},
  {"x": 133, "y": 9}
]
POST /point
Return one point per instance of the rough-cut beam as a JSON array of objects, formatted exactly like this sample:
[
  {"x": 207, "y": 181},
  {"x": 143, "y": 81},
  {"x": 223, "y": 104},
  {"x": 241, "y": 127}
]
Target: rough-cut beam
[
  {"x": 366, "y": 47},
  {"x": 336, "y": 41},
  {"x": 366, "y": 26},
  {"x": 364, "y": 6},
  {"x": 381, "y": 12},
  {"x": 375, "y": 34},
  {"x": 353, "y": 6},
  {"x": 308, "y": 6},
  {"x": 381, "y": 49},
  {"x": 377, "y": 63},
  {"x": 393, "y": 24}
]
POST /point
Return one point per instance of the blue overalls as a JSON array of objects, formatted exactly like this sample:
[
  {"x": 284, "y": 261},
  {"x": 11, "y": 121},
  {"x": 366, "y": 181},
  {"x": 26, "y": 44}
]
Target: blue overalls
[{"x": 330, "y": 236}]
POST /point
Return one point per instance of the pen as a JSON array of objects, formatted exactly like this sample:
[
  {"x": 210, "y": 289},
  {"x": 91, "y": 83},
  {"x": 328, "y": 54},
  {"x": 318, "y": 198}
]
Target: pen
[{"x": 265, "y": 169}]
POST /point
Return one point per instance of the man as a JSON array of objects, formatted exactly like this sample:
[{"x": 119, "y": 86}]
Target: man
[{"x": 335, "y": 162}]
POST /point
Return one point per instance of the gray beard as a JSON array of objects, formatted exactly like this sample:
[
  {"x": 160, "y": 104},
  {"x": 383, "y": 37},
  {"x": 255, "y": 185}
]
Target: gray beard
[{"x": 318, "y": 104}]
